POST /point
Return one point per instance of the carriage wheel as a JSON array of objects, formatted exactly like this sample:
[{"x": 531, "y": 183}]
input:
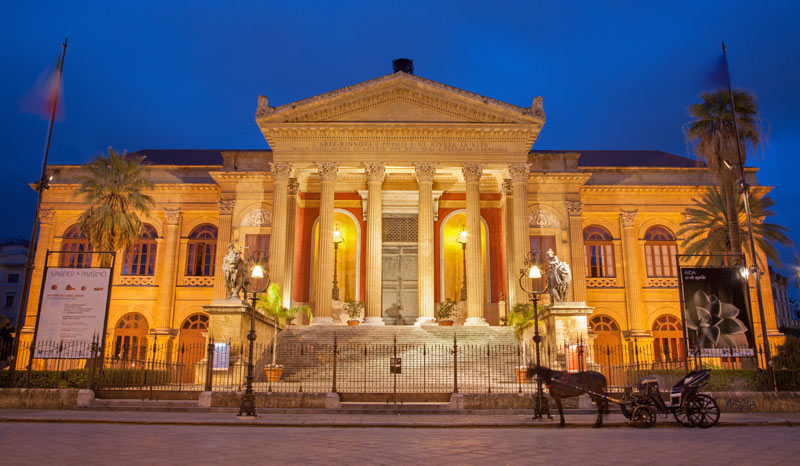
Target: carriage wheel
[
  {"x": 682, "y": 418},
  {"x": 643, "y": 417},
  {"x": 702, "y": 411}
]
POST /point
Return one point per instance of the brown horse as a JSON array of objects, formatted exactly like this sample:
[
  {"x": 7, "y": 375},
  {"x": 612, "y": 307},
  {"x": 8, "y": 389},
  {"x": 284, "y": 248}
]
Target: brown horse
[{"x": 568, "y": 384}]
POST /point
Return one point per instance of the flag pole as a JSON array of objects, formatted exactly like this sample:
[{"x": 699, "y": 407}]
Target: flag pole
[
  {"x": 744, "y": 190},
  {"x": 41, "y": 187}
]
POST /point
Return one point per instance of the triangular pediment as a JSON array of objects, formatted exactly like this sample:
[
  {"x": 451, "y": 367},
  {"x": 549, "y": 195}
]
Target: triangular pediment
[{"x": 400, "y": 97}]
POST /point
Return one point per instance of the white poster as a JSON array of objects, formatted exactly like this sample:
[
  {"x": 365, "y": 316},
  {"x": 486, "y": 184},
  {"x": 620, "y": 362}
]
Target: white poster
[{"x": 72, "y": 311}]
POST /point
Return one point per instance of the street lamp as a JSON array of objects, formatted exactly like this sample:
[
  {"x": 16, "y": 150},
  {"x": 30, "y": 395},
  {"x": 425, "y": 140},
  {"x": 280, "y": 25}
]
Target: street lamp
[
  {"x": 256, "y": 285},
  {"x": 462, "y": 238},
  {"x": 337, "y": 238},
  {"x": 529, "y": 273}
]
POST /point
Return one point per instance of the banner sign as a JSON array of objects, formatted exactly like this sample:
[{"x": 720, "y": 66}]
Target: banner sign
[
  {"x": 715, "y": 312},
  {"x": 72, "y": 310}
]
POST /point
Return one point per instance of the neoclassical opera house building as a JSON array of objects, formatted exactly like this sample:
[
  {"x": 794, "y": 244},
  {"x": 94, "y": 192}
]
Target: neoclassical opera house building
[{"x": 395, "y": 168}]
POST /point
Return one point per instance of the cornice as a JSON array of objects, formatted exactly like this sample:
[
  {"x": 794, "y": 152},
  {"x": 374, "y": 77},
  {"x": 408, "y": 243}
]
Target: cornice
[{"x": 559, "y": 178}]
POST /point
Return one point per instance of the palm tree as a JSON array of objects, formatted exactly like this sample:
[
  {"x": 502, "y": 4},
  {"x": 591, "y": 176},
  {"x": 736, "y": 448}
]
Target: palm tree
[
  {"x": 705, "y": 226},
  {"x": 271, "y": 305},
  {"x": 714, "y": 137},
  {"x": 114, "y": 187}
]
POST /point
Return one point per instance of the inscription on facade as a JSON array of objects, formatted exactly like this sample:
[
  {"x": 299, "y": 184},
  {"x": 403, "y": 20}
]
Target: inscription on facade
[{"x": 396, "y": 146}]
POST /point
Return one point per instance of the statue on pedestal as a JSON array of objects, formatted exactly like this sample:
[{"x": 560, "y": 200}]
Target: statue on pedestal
[
  {"x": 559, "y": 278},
  {"x": 233, "y": 272}
]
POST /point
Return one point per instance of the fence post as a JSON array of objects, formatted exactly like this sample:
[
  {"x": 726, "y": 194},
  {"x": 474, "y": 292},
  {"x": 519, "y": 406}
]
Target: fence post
[
  {"x": 92, "y": 356},
  {"x": 636, "y": 356},
  {"x": 210, "y": 365},
  {"x": 519, "y": 367},
  {"x": 489, "y": 368},
  {"x": 335, "y": 351},
  {"x": 455, "y": 363}
]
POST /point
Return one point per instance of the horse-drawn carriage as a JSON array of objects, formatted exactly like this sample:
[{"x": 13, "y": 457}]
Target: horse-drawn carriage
[{"x": 689, "y": 407}]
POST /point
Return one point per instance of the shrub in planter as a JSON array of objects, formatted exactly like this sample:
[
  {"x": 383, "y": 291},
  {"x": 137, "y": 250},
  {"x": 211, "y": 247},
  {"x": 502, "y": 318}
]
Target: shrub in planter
[{"x": 446, "y": 312}]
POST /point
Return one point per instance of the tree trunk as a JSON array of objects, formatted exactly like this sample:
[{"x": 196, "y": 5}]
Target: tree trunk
[{"x": 734, "y": 229}]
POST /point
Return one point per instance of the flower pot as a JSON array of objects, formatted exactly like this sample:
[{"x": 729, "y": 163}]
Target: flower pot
[
  {"x": 522, "y": 375},
  {"x": 273, "y": 374},
  {"x": 445, "y": 323},
  {"x": 353, "y": 322}
]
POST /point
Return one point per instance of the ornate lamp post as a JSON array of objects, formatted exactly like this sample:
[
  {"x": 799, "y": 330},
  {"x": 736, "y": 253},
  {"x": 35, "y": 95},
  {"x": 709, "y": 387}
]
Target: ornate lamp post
[
  {"x": 337, "y": 238},
  {"x": 529, "y": 273},
  {"x": 462, "y": 238},
  {"x": 256, "y": 285}
]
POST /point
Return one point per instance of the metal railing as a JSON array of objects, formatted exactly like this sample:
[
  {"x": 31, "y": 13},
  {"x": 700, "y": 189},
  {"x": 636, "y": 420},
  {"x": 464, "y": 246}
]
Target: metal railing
[{"x": 390, "y": 367}]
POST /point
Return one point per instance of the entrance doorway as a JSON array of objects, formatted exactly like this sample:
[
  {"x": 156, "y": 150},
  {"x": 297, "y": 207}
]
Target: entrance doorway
[{"x": 400, "y": 302}]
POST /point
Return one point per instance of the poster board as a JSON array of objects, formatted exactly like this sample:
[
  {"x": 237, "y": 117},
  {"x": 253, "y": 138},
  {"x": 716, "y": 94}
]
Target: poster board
[
  {"x": 716, "y": 312},
  {"x": 72, "y": 310}
]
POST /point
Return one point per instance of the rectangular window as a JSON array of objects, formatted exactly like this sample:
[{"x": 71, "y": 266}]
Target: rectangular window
[
  {"x": 9, "y": 300},
  {"x": 256, "y": 245},
  {"x": 13, "y": 278}
]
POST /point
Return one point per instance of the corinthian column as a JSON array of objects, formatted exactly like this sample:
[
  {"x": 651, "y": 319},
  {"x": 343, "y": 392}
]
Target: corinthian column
[
  {"x": 223, "y": 238},
  {"x": 375, "y": 172},
  {"x": 291, "y": 215},
  {"x": 166, "y": 285},
  {"x": 43, "y": 241},
  {"x": 512, "y": 273},
  {"x": 324, "y": 273},
  {"x": 575, "y": 209},
  {"x": 521, "y": 242},
  {"x": 281, "y": 171},
  {"x": 425, "y": 172},
  {"x": 633, "y": 279},
  {"x": 472, "y": 178}
]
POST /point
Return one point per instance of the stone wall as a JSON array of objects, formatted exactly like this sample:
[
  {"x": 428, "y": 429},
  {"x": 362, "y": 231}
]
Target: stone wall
[{"x": 38, "y": 398}]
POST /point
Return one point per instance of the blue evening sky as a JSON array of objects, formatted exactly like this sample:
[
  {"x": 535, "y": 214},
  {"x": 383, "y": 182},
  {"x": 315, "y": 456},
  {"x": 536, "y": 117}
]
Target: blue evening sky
[{"x": 176, "y": 75}]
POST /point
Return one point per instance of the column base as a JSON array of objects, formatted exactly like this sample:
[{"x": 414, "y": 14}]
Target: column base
[
  {"x": 476, "y": 322},
  {"x": 322, "y": 320},
  {"x": 373, "y": 320},
  {"x": 425, "y": 321}
]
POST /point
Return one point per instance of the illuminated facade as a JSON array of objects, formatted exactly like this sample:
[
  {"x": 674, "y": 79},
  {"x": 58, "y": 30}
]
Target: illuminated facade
[{"x": 399, "y": 165}]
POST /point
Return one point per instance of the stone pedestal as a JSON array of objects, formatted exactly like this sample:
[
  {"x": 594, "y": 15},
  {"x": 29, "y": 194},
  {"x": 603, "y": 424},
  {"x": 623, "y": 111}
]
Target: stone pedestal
[
  {"x": 566, "y": 323},
  {"x": 229, "y": 321}
]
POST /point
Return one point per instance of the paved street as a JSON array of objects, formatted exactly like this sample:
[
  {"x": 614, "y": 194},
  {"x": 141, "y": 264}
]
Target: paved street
[{"x": 85, "y": 444}]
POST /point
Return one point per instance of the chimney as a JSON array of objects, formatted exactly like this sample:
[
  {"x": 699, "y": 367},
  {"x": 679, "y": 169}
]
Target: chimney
[{"x": 406, "y": 65}]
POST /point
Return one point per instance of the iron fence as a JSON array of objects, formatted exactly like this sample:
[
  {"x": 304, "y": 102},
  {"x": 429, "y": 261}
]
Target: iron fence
[{"x": 390, "y": 367}]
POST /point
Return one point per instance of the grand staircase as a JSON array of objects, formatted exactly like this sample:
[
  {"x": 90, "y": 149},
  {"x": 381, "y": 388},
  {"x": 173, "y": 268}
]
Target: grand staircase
[{"x": 396, "y": 359}]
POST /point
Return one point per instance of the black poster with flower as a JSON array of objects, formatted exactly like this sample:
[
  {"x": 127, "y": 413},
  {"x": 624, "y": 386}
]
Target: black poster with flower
[{"x": 715, "y": 311}]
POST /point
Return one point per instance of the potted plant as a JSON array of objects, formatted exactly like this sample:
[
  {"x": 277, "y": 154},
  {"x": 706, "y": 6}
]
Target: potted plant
[
  {"x": 521, "y": 318},
  {"x": 445, "y": 313},
  {"x": 271, "y": 305},
  {"x": 353, "y": 310}
]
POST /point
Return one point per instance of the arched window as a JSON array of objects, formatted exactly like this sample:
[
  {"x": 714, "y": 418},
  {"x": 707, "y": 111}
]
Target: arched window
[
  {"x": 660, "y": 250},
  {"x": 130, "y": 338},
  {"x": 140, "y": 257},
  {"x": 667, "y": 338},
  {"x": 599, "y": 252},
  {"x": 77, "y": 246},
  {"x": 201, "y": 251},
  {"x": 192, "y": 345}
]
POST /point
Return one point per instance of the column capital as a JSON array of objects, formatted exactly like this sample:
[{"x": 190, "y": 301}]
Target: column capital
[
  {"x": 472, "y": 171},
  {"x": 281, "y": 171},
  {"x": 226, "y": 206},
  {"x": 574, "y": 208},
  {"x": 519, "y": 172},
  {"x": 425, "y": 171},
  {"x": 628, "y": 217},
  {"x": 293, "y": 187},
  {"x": 328, "y": 171},
  {"x": 508, "y": 187},
  {"x": 46, "y": 216},
  {"x": 173, "y": 216},
  {"x": 375, "y": 171}
]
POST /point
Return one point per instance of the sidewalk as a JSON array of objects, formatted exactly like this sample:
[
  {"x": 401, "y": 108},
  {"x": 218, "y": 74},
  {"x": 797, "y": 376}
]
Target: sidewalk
[{"x": 327, "y": 419}]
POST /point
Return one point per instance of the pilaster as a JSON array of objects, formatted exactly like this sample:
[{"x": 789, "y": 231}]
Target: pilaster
[
  {"x": 575, "y": 210},
  {"x": 291, "y": 220},
  {"x": 223, "y": 239},
  {"x": 633, "y": 279},
  {"x": 281, "y": 171},
  {"x": 166, "y": 287},
  {"x": 511, "y": 272},
  {"x": 519, "y": 180},
  {"x": 375, "y": 172},
  {"x": 43, "y": 243}
]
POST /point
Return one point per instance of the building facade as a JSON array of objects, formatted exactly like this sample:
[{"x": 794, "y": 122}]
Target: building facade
[
  {"x": 13, "y": 255},
  {"x": 397, "y": 167}
]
